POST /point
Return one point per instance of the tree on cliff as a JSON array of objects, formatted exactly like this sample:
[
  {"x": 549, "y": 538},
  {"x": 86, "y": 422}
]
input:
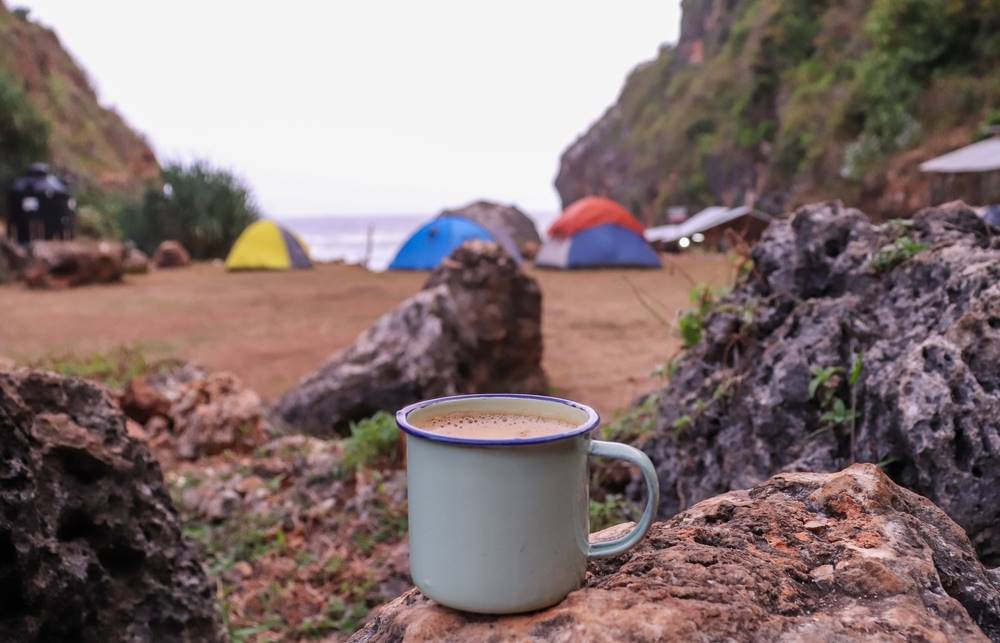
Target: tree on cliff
[{"x": 203, "y": 207}]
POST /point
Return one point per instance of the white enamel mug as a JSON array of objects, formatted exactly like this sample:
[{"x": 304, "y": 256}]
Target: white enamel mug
[{"x": 502, "y": 526}]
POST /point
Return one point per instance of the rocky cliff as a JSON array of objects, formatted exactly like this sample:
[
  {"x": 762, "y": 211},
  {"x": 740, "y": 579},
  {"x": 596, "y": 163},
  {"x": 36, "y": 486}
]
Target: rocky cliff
[
  {"x": 783, "y": 102},
  {"x": 85, "y": 140}
]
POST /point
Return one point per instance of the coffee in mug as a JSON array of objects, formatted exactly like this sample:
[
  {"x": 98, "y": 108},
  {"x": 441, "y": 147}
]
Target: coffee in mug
[
  {"x": 499, "y": 500},
  {"x": 494, "y": 426}
]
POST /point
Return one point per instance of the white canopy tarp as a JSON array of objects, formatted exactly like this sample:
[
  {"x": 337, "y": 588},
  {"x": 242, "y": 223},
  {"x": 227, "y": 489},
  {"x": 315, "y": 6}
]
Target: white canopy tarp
[
  {"x": 983, "y": 156},
  {"x": 704, "y": 220}
]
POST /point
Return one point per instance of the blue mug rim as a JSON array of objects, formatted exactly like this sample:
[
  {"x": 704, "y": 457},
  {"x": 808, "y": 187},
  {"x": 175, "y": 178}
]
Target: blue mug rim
[{"x": 592, "y": 422}]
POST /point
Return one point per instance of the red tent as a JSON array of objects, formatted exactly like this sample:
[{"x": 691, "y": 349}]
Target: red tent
[{"x": 592, "y": 211}]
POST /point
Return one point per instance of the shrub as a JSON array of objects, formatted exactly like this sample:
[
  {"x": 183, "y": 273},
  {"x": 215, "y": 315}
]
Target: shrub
[
  {"x": 92, "y": 223},
  {"x": 115, "y": 368},
  {"x": 911, "y": 42},
  {"x": 893, "y": 254},
  {"x": 202, "y": 207},
  {"x": 371, "y": 440}
]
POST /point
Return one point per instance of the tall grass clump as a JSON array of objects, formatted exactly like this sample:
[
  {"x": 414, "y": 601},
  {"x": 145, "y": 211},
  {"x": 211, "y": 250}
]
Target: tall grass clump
[{"x": 203, "y": 207}]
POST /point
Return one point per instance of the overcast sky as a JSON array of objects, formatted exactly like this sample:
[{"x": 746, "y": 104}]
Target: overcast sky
[{"x": 365, "y": 106}]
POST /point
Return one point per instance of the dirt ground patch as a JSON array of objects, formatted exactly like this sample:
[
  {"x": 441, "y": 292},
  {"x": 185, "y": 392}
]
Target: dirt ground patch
[{"x": 601, "y": 341}]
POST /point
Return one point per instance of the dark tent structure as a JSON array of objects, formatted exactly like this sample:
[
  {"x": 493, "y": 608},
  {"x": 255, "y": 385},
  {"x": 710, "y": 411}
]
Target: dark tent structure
[{"x": 40, "y": 206}]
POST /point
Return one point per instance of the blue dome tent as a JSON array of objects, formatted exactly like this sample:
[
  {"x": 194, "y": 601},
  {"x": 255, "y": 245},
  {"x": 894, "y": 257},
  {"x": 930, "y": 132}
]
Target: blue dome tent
[
  {"x": 438, "y": 238},
  {"x": 604, "y": 245}
]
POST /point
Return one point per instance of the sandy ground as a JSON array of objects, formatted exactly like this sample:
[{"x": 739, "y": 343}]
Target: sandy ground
[{"x": 601, "y": 342}]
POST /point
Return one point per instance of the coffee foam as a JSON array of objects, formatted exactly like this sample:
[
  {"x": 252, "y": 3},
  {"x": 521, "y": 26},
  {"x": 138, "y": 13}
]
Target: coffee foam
[{"x": 494, "y": 426}]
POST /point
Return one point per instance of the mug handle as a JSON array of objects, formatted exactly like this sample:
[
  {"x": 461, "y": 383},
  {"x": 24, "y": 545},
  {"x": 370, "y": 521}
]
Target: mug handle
[{"x": 636, "y": 457}]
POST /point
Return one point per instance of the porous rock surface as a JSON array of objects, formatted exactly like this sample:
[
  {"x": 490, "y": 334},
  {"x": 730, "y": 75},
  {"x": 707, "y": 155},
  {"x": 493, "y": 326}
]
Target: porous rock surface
[
  {"x": 830, "y": 290},
  {"x": 90, "y": 545},
  {"x": 188, "y": 413},
  {"x": 474, "y": 328},
  {"x": 847, "y": 556}
]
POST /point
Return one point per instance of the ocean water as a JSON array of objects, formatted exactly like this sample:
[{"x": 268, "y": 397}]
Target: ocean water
[{"x": 344, "y": 237}]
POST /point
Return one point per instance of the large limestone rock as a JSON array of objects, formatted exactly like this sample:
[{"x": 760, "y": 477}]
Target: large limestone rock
[
  {"x": 474, "y": 328},
  {"x": 90, "y": 546},
  {"x": 509, "y": 219},
  {"x": 61, "y": 264},
  {"x": 848, "y": 556},
  {"x": 915, "y": 304}
]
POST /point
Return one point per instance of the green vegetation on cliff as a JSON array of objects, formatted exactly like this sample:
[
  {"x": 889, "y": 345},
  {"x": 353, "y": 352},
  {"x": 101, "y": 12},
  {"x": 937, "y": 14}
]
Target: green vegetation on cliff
[
  {"x": 24, "y": 135},
  {"x": 50, "y": 111},
  {"x": 784, "y": 101}
]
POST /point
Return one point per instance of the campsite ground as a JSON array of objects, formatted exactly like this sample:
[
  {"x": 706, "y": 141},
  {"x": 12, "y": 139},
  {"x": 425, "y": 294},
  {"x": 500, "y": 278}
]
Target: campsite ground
[{"x": 273, "y": 328}]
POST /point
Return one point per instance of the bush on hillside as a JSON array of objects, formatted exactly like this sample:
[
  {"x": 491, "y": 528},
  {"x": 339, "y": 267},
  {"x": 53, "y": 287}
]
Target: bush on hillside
[
  {"x": 202, "y": 207},
  {"x": 911, "y": 43},
  {"x": 24, "y": 134}
]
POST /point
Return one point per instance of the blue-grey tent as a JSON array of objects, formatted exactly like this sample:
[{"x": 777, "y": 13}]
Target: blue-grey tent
[{"x": 434, "y": 241}]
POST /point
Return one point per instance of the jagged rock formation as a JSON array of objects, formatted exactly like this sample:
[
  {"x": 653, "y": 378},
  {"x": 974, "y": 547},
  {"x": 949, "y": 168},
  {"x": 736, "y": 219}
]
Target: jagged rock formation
[
  {"x": 783, "y": 102},
  {"x": 803, "y": 557},
  {"x": 506, "y": 218},
  {"x": 62, "y": 264},
  {"x": 188, "y": 413},
  {"x": 474, "y": 328},
  {"x": 913, "y": 306},
  {"x": 88, "y": 143},
  {"x": 90, "y": 545}
]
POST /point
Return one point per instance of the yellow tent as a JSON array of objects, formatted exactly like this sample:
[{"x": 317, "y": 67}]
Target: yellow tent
[{"x": 265, "y": 245}]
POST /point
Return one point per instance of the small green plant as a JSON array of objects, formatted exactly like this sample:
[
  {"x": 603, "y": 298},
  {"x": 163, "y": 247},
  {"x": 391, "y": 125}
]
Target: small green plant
[
  {"x": 682, "y": 423},
  {"x": 691, "y": 323},
  {"x": 114, "y": 368},
  {"x": 823, "y": 378},
  {"x": 823, "y": 388},
  {"x": 893, "y": 254},
  {"x": 372, "y": 439}
]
